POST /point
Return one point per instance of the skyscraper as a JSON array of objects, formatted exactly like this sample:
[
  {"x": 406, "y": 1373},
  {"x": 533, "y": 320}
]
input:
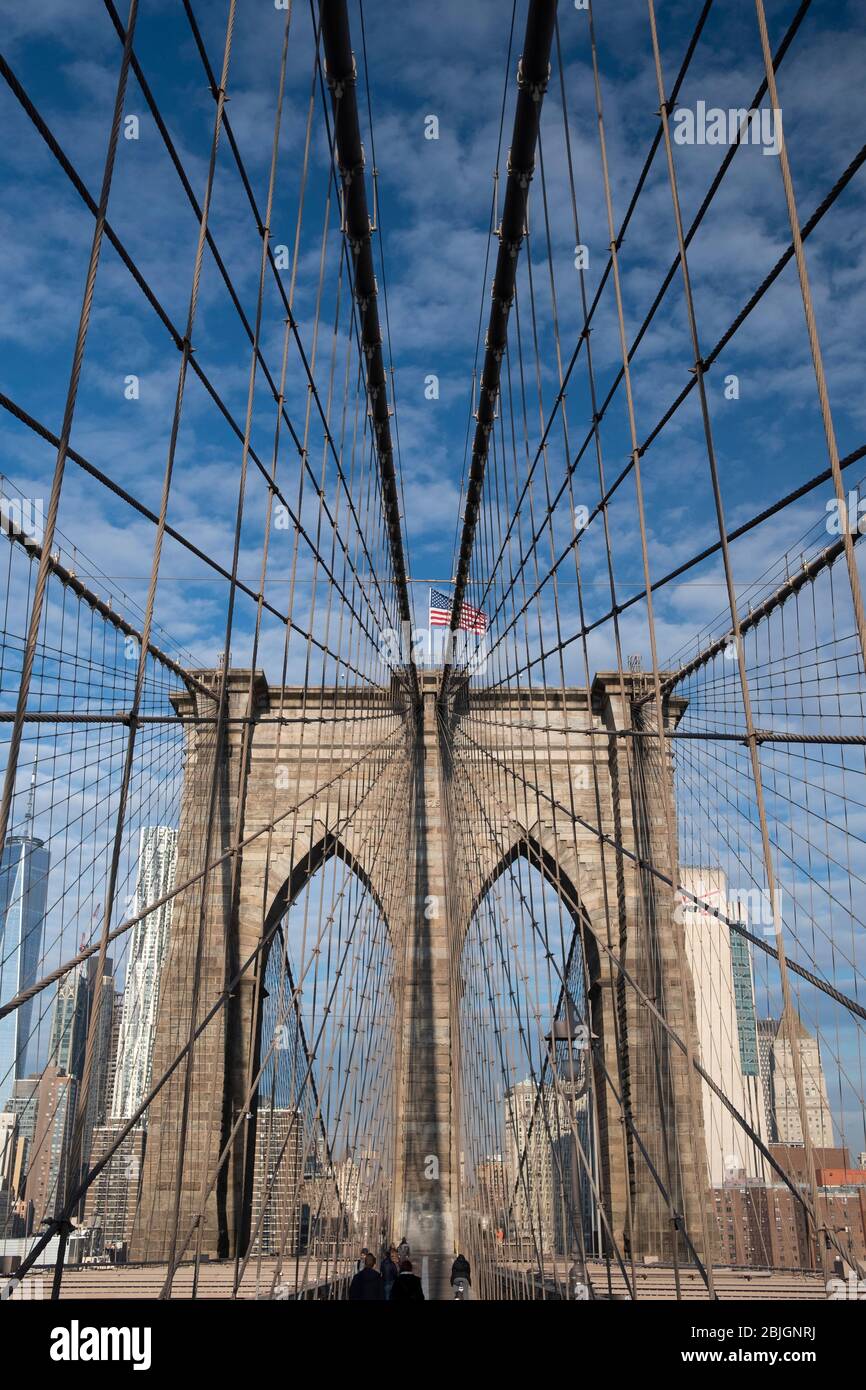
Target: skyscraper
[
  {"x": 113, "y": 1052},
  {"x": 542, "y": 1186},
  {"x": 278, "y": 1171},
  {"x": 22, "y": 1105},
  {"x": 69, "y": 1023},
  {"x": 24, "y": 865},
  {"x": 101, "y": 990},
  {"x": 767, "y": 1028},
  {"x": 727, "y": 1034},
  {"x": 747, "y": 1036},
  {"x": 48, "y": 1159},
  {"x": 7, "y": 1147},
  {"x": 819, "y": 1119},
  {"x": 77, "y": 996},
  {"x": 744, "y": 1003},
  {"x": 111, "y": 1201},
  {"x": 147, "y": 952}
]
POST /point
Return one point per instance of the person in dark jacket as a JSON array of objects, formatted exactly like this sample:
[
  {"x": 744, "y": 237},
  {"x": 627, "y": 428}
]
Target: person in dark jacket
[
  {"x": 403, "y": 1249},
  {"x": 408, "y": 1285},
  {"x": 367, "y": 1284},
  {"x": 460, "y": 1270},
  {"x": 390, "y": 1271}
]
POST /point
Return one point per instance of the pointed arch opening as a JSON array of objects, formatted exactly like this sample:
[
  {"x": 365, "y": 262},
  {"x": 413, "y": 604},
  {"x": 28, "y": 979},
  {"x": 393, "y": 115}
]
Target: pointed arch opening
[
  {"x": 529, "y": 1013},
  {"x": 319, "y": 1158}
]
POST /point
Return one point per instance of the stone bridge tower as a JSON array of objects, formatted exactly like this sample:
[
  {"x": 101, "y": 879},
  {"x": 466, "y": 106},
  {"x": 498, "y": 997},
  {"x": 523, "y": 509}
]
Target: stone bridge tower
[{"x": 359, "y": 774}]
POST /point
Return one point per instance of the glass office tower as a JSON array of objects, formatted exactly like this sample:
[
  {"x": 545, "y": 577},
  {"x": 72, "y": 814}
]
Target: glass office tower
[{"x": 23, "y": 898}]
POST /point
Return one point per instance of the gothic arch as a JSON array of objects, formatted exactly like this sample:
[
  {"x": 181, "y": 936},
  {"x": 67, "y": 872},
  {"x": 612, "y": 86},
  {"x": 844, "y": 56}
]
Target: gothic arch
[
  {"x": 328, "y": 847},
  {"x": 298, "y": 1082},
  {"x": 530, "y": 849}
]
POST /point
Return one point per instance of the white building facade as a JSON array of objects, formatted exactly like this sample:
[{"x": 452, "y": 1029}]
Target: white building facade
[{"x": 147, "y": 954}]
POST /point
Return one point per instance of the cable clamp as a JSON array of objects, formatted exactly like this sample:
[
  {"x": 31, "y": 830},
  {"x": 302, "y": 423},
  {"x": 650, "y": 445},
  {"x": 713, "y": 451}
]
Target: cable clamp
[
  {"x": 523, "y": 176},
  {"x": 535, "y": 89},
  {"x": 338, "y": 85},
  {"x": 348, "y": 172}
]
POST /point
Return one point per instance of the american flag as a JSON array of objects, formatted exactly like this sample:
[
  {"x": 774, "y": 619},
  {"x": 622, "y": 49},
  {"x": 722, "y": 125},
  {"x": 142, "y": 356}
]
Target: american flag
[{"x": 471, "y": 619}]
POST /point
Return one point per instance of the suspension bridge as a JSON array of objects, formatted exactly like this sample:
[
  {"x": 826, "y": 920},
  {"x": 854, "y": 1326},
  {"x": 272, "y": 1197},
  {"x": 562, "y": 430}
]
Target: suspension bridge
[{"x": 531, "y": 933}]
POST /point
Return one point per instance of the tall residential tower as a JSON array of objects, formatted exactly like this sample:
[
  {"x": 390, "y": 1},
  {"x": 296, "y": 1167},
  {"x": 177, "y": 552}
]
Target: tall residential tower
[{"x": 156, "y": 863}]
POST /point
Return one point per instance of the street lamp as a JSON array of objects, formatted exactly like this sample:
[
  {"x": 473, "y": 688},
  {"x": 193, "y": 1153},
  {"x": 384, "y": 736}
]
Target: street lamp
[{"x": 578, "y": 1039}]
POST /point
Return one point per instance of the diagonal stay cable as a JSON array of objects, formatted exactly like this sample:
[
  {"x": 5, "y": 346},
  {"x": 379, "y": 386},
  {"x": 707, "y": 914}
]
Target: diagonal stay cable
[{"x": 588, "y": 315}]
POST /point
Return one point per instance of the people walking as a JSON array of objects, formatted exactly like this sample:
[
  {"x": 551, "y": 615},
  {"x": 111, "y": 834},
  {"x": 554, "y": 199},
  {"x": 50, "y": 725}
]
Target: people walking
[
  {"x": 408, "y": 1287},
  {"x": 390, "y": 1270},
  {"x": 403, "y": 1249},
  {"x": 367, "y": 1286},
  {"x": 460, "y": 1270}
]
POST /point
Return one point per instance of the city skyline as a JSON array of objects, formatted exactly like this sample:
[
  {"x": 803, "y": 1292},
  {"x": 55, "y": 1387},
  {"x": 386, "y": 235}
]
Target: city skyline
[{"x": 433, "y": 657}]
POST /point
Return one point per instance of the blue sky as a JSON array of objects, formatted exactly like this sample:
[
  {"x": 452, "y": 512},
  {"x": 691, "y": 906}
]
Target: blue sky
[
  {"x": 434, "y": 200},
  {"x": 450, "y": 60}
]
